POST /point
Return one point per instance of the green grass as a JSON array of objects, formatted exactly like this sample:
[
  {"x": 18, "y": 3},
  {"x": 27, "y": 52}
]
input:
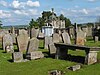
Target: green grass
[{"x": 42, "y": 66}]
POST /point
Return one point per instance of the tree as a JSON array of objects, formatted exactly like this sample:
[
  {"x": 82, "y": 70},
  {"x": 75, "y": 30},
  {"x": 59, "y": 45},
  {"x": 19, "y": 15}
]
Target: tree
[
  {"x": 67, "y": 22},
  {"x": 62, "y": 17},
  {"x": 0, "y": 24},
  {"x": 33, "y": 23},
  {"x": 40, "y": 21}
]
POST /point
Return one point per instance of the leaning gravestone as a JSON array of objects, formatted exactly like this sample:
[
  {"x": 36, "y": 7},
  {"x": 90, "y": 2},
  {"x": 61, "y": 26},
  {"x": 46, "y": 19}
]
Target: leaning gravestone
[
  {"x": 17, "y": 57},
  {"x": 80, "y": 38},
  {"x": 52, "y": 49},
  {"x": 22, "y": 41},
  {"x": 35, "y": 55},
  {"x": 34, "y": 32},
  {"x": 2, "y": 33},
  {"x": 33, "y": 45},
  {"x": 66, "y": 38},
  {"x": 47, "y": 41},
  {"x": 56, "y": 38},
  {"x": 14, "y": 38},
  {"x": 8, "y": 43}
]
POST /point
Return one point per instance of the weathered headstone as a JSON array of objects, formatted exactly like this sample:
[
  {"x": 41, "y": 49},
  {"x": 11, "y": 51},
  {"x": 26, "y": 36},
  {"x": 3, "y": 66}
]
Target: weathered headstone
[
  {"x": 22, "y": 31},
  {"x": 41, "y": 35},
  {"x": 52, "y": 49},
  {"x": 33, "y": 45},
  {"x": 96, "y": 38},
  {"x": 17, "y": 57},
  {"x": 8, "y": 43},
  {"x": 12, "y": 30},
  {"x": 47, "y": 41},
  {"x": 35, "y": 55},
  {"x": 80, "y": 38},
  {"x": 2, "y": 33},
  {"x": 66, "y": 38},
  {"x": 34, "y": 32},
  {"x": 14, "y": 38},
  {"x": 22, "y": 41},
  {"x": 56, "y": 38}
]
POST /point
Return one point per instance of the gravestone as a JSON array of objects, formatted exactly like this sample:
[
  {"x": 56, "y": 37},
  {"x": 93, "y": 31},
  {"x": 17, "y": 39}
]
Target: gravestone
[
  {"x": 22, "y": 41},
  {"x": 35, "y": 55},
  {"x": 12, "y": 30},
  {"x": 33, "y": 45},
  {"x": 2, "y": 33},
  {"x": 14, "y": 38},
  {"x": 17, "y": 57},
  {"x": 47, "y": 41},
  {"x": 8, "y": 43},
  {"x": 56, "y": 38},
  {"x": 52, "y": 48},
  {"x": 55, "y": 72},
  {"x": 22, "y": 31},
  {"x": 96, "y": 38},
  {"x": 34, "y": 32},
  {"x": 41, "y": 35},
  {"x": 80, "y": 38},
  {"x": 66, "y": 38}
]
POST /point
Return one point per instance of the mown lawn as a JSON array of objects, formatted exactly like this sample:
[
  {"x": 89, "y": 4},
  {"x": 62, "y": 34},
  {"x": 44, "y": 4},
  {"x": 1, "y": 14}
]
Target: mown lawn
[{"x": 42, "y": 66}]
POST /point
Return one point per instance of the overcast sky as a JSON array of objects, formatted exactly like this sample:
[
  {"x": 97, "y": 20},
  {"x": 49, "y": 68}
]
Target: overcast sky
[{"x": 15, "y": 12}]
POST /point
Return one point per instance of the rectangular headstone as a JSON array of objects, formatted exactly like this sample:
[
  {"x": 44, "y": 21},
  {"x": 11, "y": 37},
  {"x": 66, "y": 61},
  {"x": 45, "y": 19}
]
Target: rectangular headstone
[
  {"x": 52, "y": 49},
  {"x": 22, "y": 41},
  {"x": 47, "y": 41},
  {"x": 66, "y": 38},
  {"x": 56, "y": 38},
  {"x": 17, "y": 57},
  {"x": 33, "y": 45},
  {"x": 8, "y": 43},
  {"x": 35, "y": 55}
]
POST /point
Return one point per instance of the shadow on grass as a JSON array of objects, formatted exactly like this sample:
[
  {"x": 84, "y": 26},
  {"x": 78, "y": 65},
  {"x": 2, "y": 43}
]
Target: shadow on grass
[
  {"x": 46, "y": 54},
  {"x": 78, "y": 59},
  {"x": 41, "y": 47},
  {"x": 10, "y": 60}
]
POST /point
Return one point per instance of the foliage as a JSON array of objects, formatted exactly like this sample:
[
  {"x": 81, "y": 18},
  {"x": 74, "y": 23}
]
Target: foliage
[
  {"x": 1, "y": 24},
  {"x": 33, "y": 23}
]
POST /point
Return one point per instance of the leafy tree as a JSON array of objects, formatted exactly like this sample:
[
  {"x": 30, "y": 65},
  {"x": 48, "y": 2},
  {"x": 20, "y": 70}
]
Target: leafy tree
[
  {"x": 62, "y": 17},
  {"x": 41, "y": 21},
  {"x": 33, "y": 23},
  {"x": 0, "y": 24},
  {"x": 67, "y": 22}
]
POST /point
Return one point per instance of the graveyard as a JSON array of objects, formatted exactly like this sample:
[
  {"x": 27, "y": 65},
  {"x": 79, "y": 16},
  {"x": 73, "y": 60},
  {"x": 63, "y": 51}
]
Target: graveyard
[
  {"x": 49, "y": 42},
  {"x": 41, "y": 66}
]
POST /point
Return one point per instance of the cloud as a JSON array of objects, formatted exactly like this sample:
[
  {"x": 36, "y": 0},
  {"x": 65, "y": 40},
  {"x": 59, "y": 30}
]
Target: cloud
[
  {"x": 15, "y": 4},
  {"x": 33, "y": 4},
  {"x": 21, "y": 12},
  {"x": 85, "y": 11},
  {"x": 33, "y": 11},
  {"x": 3, "y": 3},
  {"x": 92, "y": 0},
  {"x": 4, "y": 14}
]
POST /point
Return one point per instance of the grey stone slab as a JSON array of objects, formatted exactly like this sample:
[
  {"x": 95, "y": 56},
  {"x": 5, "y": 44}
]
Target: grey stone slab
[
  {"x": 22, "y": 41},
  {"x": 56, "y": 38},
  {"x": 52, "y": 49},
  {"x": 33, "y": 45},
  {"x": 8, "y": 43},
  {"x": 17, "y": 57},
  {"x": 47, "y": 41},
  {"x": 91, "y": 57},
  {"x": 34, "y": 55},
  {"x": 66, "y": 38}
]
